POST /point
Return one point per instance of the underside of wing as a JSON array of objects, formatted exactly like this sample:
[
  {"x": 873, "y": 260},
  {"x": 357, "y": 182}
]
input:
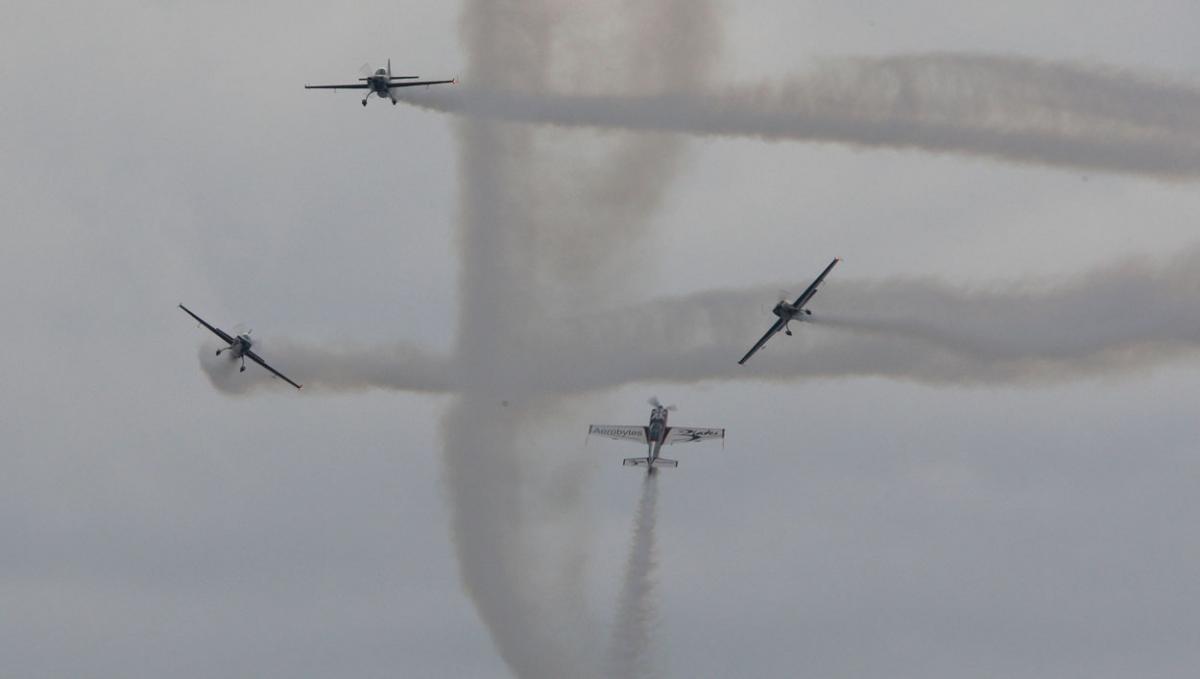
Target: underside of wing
[
  {"x": 763, "y": 340},
  {"x": 215, "y": 330},
  {"x": 352, "y": 86},
  {"x": 619, "y": 433},
  {"x": 258, "y": 359},
  {"x": 812, "y": 289},
  {"x": 693, "y": 434}
]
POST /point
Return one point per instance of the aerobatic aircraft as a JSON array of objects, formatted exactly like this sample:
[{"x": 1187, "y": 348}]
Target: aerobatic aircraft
[
  {"x": 381, "y": 83},
  {"x": 788, "y": 312},
  {"x": 239, "y": 347},
  {"x": 655, "y": 436}
]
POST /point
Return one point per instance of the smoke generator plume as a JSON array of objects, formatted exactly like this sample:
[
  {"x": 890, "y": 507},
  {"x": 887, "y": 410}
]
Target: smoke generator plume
[
  {"x": 1010, "y": 108},
  {"x": 343, "y": 366},
  {"x": 528, "y": 226},
  {"x": 1123, "y": 317},
  {"x": 630, "y": 655}
]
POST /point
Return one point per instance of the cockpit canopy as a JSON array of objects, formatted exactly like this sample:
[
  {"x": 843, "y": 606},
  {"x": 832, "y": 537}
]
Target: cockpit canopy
[{"x": 382, "y": 71}]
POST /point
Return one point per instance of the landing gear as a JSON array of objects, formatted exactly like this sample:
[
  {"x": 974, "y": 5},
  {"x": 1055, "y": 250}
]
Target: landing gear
[
  {"x": 364, "y": 101},
  {"x": 393, "y": 100},
  {"x": 787, "y": 331}
]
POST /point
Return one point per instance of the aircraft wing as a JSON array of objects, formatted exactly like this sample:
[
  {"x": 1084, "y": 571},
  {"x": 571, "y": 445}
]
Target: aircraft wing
[
  {"x": 692, "y": 434},
  {"x": 421, "y": 82},
  {"x": 620, "y": 433},
  {"x": 812, "y": 289},
  {"x": 759, "y": 344},
  {"x": 352, "y": 86},
  {"x": 216, "y": 331},
  {"x": 258, "y": 359}
]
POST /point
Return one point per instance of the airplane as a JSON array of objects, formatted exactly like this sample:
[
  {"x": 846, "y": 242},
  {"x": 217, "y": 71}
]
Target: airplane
[
  {"x": 381, "y": 82},
  {"x": 790, "y": 312},
  {"x": 655, "y": 436},
  {"x": 240, "y": 346}
]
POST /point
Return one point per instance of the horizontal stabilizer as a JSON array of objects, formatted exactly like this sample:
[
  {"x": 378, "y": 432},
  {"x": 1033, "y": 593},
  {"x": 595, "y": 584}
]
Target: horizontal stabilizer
[
  {"x": 636, "y": 461},
  {"x": 664, "y": 462}
]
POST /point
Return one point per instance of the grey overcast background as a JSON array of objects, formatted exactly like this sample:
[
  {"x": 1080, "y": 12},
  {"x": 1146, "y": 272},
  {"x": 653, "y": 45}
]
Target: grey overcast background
[{"x": 957, "y": 522}]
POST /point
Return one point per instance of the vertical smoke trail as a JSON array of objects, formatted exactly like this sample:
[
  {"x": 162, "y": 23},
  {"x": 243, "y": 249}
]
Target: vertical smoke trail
[
  {"x": 630, "y": 655},
  {"x": 533, "y": 206}
]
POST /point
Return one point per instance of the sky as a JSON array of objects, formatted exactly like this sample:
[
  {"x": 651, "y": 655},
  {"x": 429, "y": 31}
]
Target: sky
[{"x": 955, "y": 508}]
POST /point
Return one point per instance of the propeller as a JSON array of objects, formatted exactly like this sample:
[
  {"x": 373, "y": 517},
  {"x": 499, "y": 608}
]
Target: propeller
[
  {"x": 366, "y": 70},
  {"x": 658, "y": 404}
]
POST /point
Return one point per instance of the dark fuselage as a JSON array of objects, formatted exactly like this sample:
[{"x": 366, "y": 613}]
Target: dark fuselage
[
  {"x": 656, "y": 433},
  {"x": 379, "y": 83}
]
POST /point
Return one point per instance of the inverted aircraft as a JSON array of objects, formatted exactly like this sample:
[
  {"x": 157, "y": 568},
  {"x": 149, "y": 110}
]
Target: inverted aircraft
[
  {"x": 239, "y": 347},
  {"x": 790, "y": 311},
  {"x": 381, "y": 83},
  {"x": 655, "y": 436}
]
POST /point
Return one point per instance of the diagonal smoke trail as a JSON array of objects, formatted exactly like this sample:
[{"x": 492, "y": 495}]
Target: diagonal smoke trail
[
  {"x": 1009, "y": 108},
  {"x": 637, "y": 609}
]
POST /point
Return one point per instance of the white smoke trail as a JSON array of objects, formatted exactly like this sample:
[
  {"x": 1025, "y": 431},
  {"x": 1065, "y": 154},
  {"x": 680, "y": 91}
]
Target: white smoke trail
[
  {"x": 525, "y": 218},
  {"x": 637, "y": 612},
  {"x": 1014, "y": 109},
  {"x": 1128, "y": 316},
  {"x": 341, "y": 366}
]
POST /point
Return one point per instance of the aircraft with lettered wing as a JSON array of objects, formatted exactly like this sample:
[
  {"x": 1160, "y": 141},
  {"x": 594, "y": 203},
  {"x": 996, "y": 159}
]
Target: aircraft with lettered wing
[
  {"x": 655, "y": 436},
  {"x": 239, "y": 347}
]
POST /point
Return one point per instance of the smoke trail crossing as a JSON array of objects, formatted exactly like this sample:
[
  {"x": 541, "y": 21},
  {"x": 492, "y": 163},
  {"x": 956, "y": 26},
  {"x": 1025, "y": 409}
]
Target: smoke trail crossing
[
  {"x": 1127, "y": 316},
  {"x": 520, "y": 263}
]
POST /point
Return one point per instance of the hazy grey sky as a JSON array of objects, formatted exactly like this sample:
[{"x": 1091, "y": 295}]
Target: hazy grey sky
[{"x": 157, "y": 153}]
